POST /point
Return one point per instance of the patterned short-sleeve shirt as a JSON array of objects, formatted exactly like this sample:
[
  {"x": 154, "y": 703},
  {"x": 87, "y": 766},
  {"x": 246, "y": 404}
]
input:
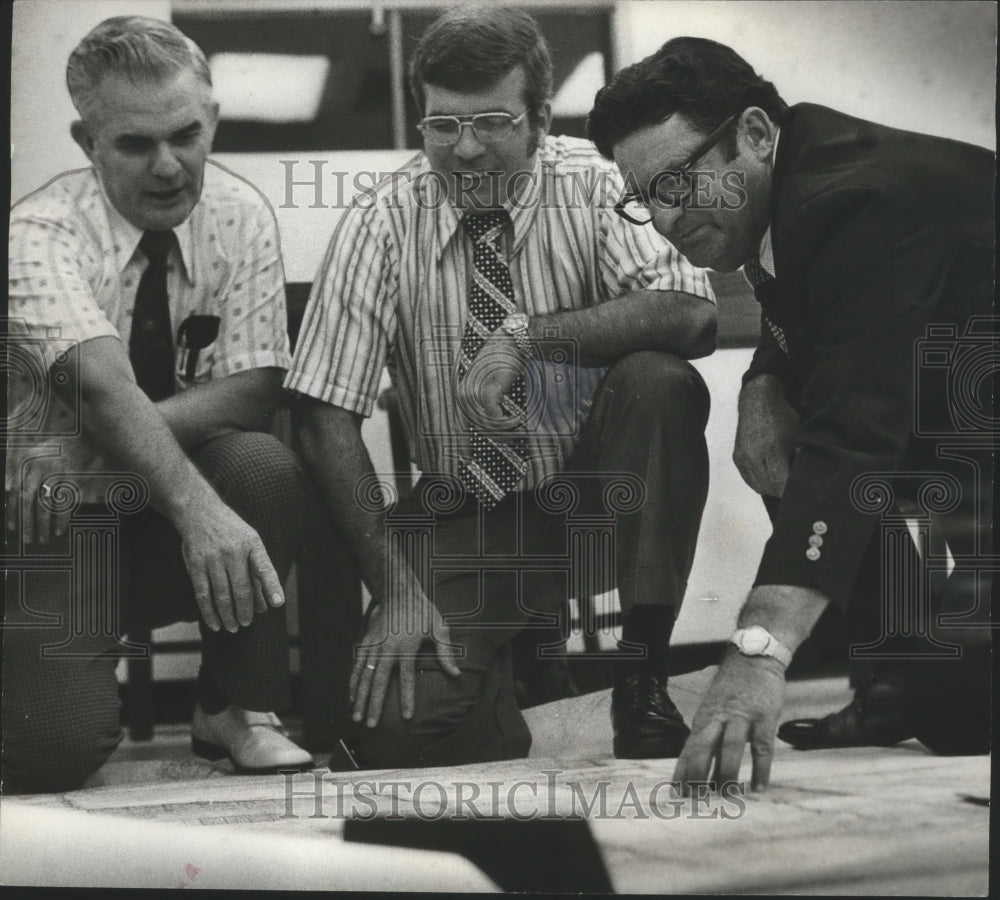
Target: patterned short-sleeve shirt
[{"x": 74, "y": 269}]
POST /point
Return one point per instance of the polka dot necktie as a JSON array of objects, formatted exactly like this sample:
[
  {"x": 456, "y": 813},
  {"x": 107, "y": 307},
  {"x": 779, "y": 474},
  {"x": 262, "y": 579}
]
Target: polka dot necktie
[
  {"x": 496, "y": 465},
  {"x": 151, "y": 343},
  {"x": 760, "y": 279}
]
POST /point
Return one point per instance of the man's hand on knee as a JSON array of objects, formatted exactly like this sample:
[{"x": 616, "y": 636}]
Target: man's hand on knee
[
  {"x": 398, "y": 626},
  {"x": 232, "y": 575}
]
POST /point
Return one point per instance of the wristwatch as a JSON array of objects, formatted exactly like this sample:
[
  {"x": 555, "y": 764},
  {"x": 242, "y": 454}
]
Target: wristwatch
[
  {"x": 516, "y": 325},
  {"x": 758, "y": 641}
]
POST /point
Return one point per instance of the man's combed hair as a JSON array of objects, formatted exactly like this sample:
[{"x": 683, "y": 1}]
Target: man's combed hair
[
  {"x": 135, "y": 47},
  {"x": 703, "y": 80},
  {"x": 470, "y": 48}
]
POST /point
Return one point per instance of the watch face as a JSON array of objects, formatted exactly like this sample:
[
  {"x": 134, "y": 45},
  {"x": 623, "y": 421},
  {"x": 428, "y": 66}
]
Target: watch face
[{"x": 754, "y": 640}]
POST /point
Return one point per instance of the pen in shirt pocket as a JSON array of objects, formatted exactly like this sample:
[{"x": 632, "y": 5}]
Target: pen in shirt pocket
[{"x": 195, "y": 333}]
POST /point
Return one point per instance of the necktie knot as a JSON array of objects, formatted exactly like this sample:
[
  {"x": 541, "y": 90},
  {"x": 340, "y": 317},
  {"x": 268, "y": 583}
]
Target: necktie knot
[
  {"x": 157, "y": 245},
  {"x": 481, "y": 226}
]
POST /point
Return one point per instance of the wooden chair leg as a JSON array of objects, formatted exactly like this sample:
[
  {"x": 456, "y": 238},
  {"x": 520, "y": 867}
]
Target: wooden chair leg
[
  {"x": 139, "y": 692},
  {"x": 591, "y": 642}
]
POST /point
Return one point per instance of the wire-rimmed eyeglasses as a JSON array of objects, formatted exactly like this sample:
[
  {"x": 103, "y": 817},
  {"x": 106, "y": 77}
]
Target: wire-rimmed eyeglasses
[
  {"x": 669, "y": 188},
  {"x": 488, "y": 127}
]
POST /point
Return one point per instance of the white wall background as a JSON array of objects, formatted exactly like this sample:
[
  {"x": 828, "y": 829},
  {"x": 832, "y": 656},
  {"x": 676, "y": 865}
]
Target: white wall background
[
  {"x": 44, "y": 34},
  {"x": 920, "y": 64},
  {"x": 923, "y": 65}
]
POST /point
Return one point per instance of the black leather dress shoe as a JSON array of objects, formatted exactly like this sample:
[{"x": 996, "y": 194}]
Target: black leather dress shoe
[
  {"x": 646, "y": 723},
  {"x": 874, "y": 718}
]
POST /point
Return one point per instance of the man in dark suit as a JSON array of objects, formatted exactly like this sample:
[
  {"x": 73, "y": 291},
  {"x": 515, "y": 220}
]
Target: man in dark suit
[{"x": 871, "y": 252}]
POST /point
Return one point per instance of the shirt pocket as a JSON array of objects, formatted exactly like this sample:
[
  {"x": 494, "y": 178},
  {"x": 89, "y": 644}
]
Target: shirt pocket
[{"x": 197, "y": 339}]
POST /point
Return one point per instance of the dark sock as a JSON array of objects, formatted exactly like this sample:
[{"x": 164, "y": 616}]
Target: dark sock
[
  {"x": 211, "y": 700},
  {"x": 529, "y": 663},
  {"x": 650, "y": 628}
]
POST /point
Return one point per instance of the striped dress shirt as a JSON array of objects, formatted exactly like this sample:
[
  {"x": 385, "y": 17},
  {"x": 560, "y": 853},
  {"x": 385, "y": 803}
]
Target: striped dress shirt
[{"x": 393, "y": 291}]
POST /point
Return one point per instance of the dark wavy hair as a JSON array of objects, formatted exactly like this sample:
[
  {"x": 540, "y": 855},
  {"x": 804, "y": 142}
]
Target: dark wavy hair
[
  {"x": 703, "y": 80},
  {"x": 470, "y": 48}
]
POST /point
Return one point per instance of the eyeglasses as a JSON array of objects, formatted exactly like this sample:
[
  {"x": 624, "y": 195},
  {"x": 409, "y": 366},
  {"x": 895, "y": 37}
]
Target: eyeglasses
[
  {"x": 445, "y": 131},
  {"x": 670, "y": 187}
]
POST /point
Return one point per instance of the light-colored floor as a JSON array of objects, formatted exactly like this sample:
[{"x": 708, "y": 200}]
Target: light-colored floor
[{"x": 871, "y": 821}]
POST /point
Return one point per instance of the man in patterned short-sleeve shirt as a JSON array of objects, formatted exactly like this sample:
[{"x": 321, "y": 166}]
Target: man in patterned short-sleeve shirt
[{"x": 147, "y": 325}]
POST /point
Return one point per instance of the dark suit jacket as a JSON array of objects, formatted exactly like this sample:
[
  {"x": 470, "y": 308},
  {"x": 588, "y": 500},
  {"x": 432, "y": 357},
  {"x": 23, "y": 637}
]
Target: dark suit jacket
[{"x": 877, "y": 234}]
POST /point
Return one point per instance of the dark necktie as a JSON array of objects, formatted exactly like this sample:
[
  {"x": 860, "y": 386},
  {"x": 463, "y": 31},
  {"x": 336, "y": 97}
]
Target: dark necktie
[
  {"x": 497, "y": 464},
  {"x": 151, "y": 344},
  {"x": 760, "y": 279}
]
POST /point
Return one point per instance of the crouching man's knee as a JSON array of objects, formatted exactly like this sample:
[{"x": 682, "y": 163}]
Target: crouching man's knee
[
  {"x": 46, "y": 757},
  {"x": 263, "y": 481},
  {"x": 661, "y": 385},
  {"x": 254, "y": 465},
  {"x": 457, "y": 720}
]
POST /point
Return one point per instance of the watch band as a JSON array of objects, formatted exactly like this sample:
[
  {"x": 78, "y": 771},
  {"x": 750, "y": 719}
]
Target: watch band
[
  {"x": 516, "y": 325},
  {"x": 756, "y": 640}
]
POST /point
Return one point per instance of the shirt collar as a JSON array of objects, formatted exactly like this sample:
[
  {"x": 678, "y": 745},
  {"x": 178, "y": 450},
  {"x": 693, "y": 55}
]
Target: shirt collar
[
  {"x": 766, "y": 251},
  {"x": 185, "y": 241},
  {"x": 125, "y": 238},
  {"x": 522, "y": 213}
]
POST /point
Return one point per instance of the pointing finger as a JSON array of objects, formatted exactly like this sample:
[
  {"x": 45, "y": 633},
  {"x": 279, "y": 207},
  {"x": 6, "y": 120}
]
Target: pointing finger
[
  {"x": 731, "y": 749},
  {"x": 695, "y": 762},
  {"x": 762, "y": 752}
]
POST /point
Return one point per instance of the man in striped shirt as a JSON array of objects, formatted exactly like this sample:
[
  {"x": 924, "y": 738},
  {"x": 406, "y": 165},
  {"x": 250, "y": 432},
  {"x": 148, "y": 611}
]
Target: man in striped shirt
[{"x": 538, "y": 345}]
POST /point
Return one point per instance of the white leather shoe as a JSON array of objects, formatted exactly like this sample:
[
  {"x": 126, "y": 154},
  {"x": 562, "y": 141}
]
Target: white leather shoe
[{"x": 256, "y": 742}]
